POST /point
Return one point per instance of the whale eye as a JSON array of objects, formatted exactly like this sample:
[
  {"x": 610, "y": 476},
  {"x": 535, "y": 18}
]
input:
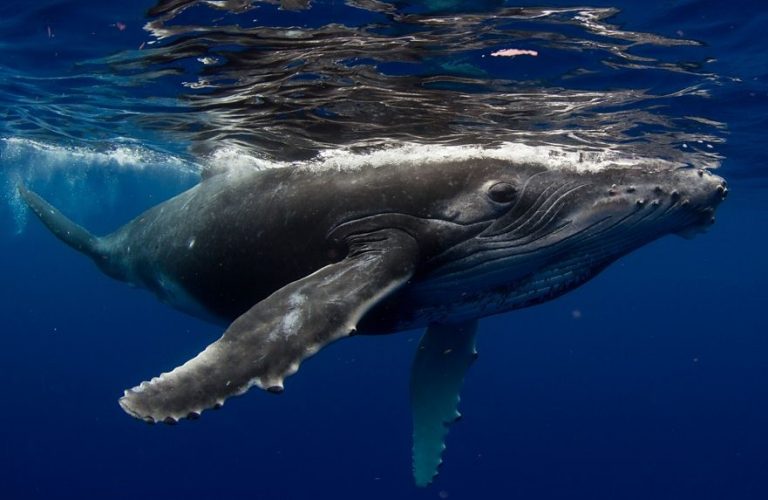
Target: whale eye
[{"x": 502, "y": 192}]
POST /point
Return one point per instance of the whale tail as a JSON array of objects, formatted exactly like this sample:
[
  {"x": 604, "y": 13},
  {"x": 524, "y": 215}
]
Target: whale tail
[{"x": 64, "y": 229}]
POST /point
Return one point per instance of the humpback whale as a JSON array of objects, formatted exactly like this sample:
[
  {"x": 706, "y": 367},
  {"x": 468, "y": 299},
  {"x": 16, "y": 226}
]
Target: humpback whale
[{"x": 292, "y": 259}]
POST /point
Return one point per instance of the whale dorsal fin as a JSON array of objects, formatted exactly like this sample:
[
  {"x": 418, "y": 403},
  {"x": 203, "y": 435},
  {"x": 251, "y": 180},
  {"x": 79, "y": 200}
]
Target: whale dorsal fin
[
  {"x": 267, "y": 343},
  {"x": 445, "y": 354}
]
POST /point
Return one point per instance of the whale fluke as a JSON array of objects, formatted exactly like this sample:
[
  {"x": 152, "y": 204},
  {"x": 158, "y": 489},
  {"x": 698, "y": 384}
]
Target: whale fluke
[
  {"x": 445, "y": 354},
  {"x": 64, "y": 229}
]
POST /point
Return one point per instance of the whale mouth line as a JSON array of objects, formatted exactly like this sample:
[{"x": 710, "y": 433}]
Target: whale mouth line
[
  {"x": 460, "y": 270},
  {"x": 538, "y": 219},
  {"x": 488, "y": 258},
  {"x": 705, "y": 221}
]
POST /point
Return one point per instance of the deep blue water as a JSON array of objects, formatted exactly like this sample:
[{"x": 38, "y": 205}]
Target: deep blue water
[{"x": 647, "y": 382}]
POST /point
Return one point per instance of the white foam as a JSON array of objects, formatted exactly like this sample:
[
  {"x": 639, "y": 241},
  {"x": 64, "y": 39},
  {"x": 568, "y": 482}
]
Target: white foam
[
  {"x": 238, "y": 158},
  {"x": 551, "y": 156},
  {"x": 234, "y": 158},
  {"x": 122, "y": 155},
  {"x": 37, "y": 163}
]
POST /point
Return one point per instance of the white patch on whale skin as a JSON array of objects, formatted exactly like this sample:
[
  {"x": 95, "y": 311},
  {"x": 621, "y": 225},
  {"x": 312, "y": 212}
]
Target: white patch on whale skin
[
  {"x": 291, "y": 321},
  {"x": 236, "y": 161}
]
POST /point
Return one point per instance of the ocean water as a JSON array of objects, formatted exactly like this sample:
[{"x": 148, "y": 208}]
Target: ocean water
[{"x": 647, "y": 382}]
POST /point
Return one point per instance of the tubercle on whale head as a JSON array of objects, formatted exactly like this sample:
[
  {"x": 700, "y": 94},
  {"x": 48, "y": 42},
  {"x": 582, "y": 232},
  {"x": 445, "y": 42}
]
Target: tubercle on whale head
[
  {"x": 654, "y": 202},
  {"x": 679, "y": 201},
  {"x": 701, "y": 197}
]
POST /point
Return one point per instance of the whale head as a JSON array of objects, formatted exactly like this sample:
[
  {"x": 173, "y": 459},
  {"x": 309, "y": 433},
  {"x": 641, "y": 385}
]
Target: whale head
[
  {"x": 555, "y": 229},
  {"x": 623, "y": 208}
]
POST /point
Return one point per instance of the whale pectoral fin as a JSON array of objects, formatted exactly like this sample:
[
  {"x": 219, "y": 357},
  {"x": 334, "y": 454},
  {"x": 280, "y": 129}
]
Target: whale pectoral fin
[
  {"x": 445, "y": 354},
  {"x": 268, "y": 342}
]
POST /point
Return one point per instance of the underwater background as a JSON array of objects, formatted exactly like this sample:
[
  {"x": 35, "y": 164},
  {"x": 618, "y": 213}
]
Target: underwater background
[{"x": 647, "y": 382}]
